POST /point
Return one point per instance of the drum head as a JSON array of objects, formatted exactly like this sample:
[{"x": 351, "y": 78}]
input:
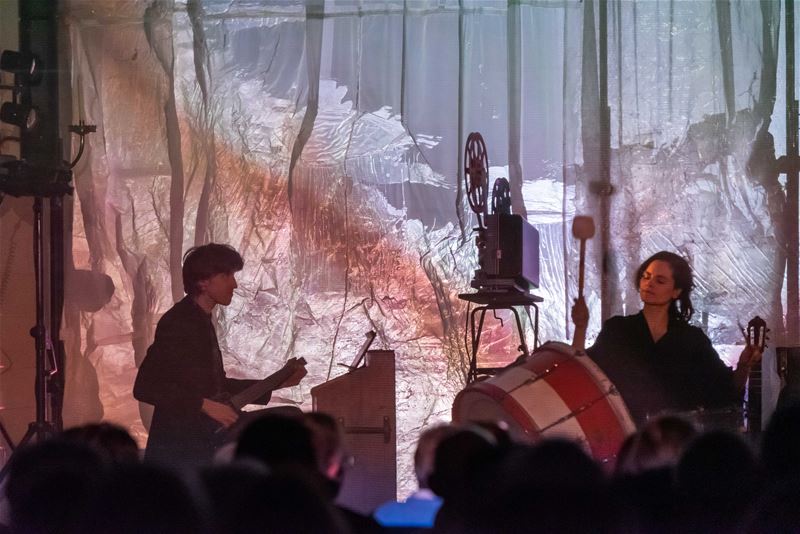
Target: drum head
[{"x": 556, "y": 392}]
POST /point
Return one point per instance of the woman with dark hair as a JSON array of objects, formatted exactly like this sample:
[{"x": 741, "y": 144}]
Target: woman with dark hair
[{"x": 655, "y": 358}]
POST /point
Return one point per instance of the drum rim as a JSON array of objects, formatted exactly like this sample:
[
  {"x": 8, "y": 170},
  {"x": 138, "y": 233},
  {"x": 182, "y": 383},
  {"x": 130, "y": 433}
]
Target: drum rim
[{"x": 518, "y": 413}]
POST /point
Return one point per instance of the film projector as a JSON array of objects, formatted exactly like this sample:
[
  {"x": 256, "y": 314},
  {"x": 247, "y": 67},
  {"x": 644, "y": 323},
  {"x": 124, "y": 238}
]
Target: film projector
[
  {"x": 508, "y": 246},
  {"x": 556, "y": 391},
  {"x": 508, "y": 254}
]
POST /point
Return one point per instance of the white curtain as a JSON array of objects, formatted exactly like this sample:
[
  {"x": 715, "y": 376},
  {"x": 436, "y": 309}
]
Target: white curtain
[{"x": 324, "y": 140}]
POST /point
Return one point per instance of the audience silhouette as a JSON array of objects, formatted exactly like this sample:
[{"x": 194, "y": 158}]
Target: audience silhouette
[{"x": 285, "y": 474}]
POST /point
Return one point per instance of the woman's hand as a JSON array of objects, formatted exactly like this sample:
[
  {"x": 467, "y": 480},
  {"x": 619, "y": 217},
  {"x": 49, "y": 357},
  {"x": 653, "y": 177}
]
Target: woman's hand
[
  {"x": 750, "y": 356},
  {"x": 580, "y": 317},
  {"x": 580, "y": 313}
]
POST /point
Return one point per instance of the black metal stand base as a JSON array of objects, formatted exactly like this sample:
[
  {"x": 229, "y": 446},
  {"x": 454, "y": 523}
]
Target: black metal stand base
[
  {"x": 6, "y": 437},
  {"x": 39, "y": 431},
  {"x": 494, "y": 300},
  {"x": 42, "y": 427},
  {"x": 36, "y": 431}
]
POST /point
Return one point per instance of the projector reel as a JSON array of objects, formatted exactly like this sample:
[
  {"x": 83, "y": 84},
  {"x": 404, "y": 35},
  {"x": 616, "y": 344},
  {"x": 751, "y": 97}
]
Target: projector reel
[
  {"x": 476, "y": 174},
  {"x": 501, "y": 197}
]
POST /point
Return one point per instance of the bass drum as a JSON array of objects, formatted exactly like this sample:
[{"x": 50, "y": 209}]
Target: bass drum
[{"x": 556, "y": 392}]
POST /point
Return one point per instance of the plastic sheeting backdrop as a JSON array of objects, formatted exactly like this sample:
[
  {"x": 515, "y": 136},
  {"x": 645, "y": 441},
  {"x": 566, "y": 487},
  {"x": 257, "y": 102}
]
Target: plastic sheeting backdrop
[{"x": 324, "y": 143}]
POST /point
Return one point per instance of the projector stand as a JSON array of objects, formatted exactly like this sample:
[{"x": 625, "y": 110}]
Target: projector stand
[{"x": 498, "y": 300}]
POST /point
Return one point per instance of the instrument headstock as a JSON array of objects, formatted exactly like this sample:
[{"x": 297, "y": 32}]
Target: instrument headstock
[{"x": 756, "y": 334}]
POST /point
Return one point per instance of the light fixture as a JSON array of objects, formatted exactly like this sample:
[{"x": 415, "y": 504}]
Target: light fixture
[
  {"x": 27, "y": 72},
  {"x": 19, "y": 115},
  {"x": 19, "y": 63}
]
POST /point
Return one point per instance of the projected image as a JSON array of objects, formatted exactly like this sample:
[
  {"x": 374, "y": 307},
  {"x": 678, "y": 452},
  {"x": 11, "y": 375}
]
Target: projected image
[{"x": 327, "y": 148}]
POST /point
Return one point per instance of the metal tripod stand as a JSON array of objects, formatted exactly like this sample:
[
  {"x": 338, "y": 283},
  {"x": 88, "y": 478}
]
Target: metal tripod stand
[{"x": 47, "y": 363}]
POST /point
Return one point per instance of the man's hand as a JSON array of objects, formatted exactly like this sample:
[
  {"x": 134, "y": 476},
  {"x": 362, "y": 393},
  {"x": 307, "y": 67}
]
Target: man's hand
[
  {"x": 298, "y": 374},
  {"x": 219, "y": 412}
]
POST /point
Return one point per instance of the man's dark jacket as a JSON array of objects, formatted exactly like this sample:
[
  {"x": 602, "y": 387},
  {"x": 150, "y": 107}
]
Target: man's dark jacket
[{"x": 182, "y": 367}]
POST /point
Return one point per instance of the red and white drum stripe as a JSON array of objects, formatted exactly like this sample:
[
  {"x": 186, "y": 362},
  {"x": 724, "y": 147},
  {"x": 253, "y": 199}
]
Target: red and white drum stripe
[{"x": 557, "y": 392}]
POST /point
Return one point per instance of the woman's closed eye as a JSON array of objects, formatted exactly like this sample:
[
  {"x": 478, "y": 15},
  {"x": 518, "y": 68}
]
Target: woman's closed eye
[{"x": 657, "y": 279}]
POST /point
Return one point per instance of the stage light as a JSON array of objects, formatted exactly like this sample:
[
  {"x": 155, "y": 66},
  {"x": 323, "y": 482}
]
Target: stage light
[
  {"x": 19, "y": 63},
  {"x": 19, "y": 115},
  {"x": 27, "y": 72}
]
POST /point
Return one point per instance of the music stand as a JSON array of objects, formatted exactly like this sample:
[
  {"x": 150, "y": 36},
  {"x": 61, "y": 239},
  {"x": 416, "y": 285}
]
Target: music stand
[{"x": 361, "y": 352}]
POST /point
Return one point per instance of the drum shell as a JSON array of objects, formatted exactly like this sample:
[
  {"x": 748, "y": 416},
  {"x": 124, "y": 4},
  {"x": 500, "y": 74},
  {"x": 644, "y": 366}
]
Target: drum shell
[{"x": 556, "y": 392}]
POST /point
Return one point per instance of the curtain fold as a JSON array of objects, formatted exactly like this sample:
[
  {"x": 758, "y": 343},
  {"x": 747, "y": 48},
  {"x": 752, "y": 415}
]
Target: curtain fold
[{"x": 324, "y": 140}]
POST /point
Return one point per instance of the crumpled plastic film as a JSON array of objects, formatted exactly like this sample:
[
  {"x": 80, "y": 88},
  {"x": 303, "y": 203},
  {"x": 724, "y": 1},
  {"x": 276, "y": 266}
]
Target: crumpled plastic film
[{"x": 322, "y": 141}]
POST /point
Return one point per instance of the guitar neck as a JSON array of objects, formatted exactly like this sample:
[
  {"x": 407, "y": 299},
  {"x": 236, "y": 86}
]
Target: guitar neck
[
  {"x": 754, "y": 399},
  {"x": 261, "y": 388},
  {"x": 756, "y": 336}
]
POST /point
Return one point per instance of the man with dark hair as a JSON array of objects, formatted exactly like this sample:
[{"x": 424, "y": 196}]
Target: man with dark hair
[
  {"x": 200, "y": 264},
  {"x": 182, "y": 375}
]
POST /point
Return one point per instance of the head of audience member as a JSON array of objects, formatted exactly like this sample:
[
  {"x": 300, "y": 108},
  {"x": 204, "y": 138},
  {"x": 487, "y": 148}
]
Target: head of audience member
[
  {"x": 457, "y": 459},
  {"x": 249, "y": 497},
  {"x": 658, "y": 444},
  {"x": 552, "y": 484},
  {"x": 717, "y": 479},
  {"x": 777, "y": 508},
  {"x": 333, "y": 460},
  {"x": 228, "y": 487},
  {"x": 425, "y": 454},
  {"x": 328, "y": 439},
  {"x": 51, "y": 484},
  {"x": 112, "y": 442},
  {"x": 554, "y": 463},
  {"x": 203, "y": 262},
  {"x": 780, "y": 444},
  {"x": 145, "y": 498},
  {"x": 459, "y": 465},
  {"x": 278, "y": 441}
]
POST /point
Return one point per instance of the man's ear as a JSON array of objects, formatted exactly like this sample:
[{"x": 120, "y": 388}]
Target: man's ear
[{"x": 202, "y": 286}]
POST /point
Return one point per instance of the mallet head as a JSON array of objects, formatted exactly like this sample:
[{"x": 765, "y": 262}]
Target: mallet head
[{"x": 583, "y": 227}]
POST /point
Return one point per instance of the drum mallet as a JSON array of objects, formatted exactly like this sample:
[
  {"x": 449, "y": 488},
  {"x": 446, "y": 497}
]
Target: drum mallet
[{"x": 583, "y": 229}]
